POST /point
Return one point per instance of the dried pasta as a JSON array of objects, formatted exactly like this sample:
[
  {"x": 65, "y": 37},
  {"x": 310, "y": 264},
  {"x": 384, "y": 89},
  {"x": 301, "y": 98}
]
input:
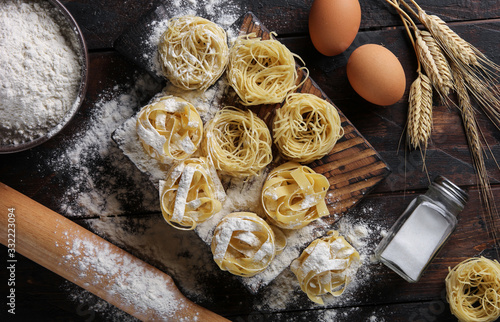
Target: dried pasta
[
  {"x": 191, "y": 193},
  {"x": 294, "y": 195},
  {"x": 238, "y": 142},
  {"x": 473, "y": 290},
  {"x": 261, "y": 71},
  {"x": 193, "y": 52},
  {"x": 306, "y": 128},
  {"x": 244, "y": 244},
  {"x": 326, "y": 266},
  {"x": 170, "y": 129}
]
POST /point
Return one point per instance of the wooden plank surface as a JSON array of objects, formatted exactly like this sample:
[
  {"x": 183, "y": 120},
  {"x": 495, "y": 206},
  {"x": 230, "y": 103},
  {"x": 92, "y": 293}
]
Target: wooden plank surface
[
  {"x": 40, "y": 293},
  {"x": 286, "y": 18}
]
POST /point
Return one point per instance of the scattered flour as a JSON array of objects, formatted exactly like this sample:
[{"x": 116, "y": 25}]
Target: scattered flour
[
  {"x": 40, "y": 71},
  {"x": 100, "y": 192},
  {"x": 189, "y": 261},
  {"x": 90, "y": 307},
  {"x": 285, "y": 290},
  {"x": 179, "y": 253}
]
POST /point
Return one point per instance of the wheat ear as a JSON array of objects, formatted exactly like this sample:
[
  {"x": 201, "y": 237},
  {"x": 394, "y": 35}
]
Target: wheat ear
[
  {"x": 453, "y": 44},
  {"x": 434, "y": 62},
  {"x": 420, "y": 112}
]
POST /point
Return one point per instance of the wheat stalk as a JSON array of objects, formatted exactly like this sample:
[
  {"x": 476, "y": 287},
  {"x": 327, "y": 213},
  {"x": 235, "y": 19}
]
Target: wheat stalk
[
  {"x": 474, "y": 142},
  {"x": 454, "y": 45},
  {"x": 434, "y": 62},
  {"x": 420, "y": 112},
  {"x": 419, "y": 121},
  {"x": 480, "y": 73},
  {"x": 485, "y": 93}
]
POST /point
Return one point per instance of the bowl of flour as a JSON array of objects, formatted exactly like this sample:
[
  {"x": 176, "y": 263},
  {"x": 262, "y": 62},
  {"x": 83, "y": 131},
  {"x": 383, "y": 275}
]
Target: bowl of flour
[{"x": 43, "y": 72}]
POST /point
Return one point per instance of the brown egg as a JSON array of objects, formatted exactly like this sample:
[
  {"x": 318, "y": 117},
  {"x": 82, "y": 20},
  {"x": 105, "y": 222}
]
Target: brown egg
[
  {"x": 333, "y": 24},
  {"x": 376, "y": 74}
]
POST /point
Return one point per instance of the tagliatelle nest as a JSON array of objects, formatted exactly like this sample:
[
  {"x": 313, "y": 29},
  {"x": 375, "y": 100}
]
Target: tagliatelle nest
[
  {"x": 244, "y": 244},
  {"x": 261, "y": 71},
  {"x": 294, "y": 195},
  {"x": 170, "y": 129},
  {"x": 190, "y": 194},
  {"x": 238, "y": 142},
  {"x": 306, "y": 128},
  {"x": 326, "y": 266},
  {"x": 193, "y": 52}
]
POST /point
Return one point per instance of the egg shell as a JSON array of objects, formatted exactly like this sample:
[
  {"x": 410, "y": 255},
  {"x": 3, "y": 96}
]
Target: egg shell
[
  {"x": 376, "y": 74},
  {"x": 333, "y": 25}
]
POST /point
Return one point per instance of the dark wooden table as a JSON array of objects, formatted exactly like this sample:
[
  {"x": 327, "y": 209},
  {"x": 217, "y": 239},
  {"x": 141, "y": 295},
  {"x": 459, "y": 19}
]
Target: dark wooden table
[{"x": 44, "y": 296}]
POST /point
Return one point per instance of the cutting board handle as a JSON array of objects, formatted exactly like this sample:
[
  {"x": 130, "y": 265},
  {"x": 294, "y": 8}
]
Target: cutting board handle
[{"x": 60, "y": 245}]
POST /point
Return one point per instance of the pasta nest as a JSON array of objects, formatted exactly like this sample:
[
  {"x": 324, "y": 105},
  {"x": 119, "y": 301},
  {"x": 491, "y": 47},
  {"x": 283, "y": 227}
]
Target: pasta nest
[
  {"x": 261, "y": 71},
  {"x": 170, "y": 129},
  {"x": 294, "y": 195},
  {"x": 238, "y": 142},
  {"x": 473, "y": 290},
  {"x": 193, "y": 52},
  {"x": 306, "y": 128},
  {"x": 191, "y": 194},
  {"x": 244, "y": 244},
  {"x": 326, "y": 266}
]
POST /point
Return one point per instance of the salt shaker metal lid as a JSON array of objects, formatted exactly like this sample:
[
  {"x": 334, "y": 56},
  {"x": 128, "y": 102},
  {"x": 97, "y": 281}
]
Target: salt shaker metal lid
[{"x": 452, "y": 189}]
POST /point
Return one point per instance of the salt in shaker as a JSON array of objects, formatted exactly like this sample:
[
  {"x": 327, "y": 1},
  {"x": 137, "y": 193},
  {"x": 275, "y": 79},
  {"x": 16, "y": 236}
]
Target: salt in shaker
[{"x": 422, "y": 229}]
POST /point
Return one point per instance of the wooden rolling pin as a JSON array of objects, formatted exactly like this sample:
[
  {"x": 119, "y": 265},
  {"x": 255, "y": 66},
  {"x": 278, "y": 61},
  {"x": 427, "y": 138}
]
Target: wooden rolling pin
[{"x": 89, "y": 261}]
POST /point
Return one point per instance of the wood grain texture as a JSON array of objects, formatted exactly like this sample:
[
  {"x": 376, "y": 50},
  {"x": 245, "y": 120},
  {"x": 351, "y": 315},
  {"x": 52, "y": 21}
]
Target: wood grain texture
[{"x": 286, "y": 18}]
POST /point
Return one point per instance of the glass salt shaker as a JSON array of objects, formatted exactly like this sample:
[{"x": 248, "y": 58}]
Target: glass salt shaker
[{"x": 418, "y": 234}]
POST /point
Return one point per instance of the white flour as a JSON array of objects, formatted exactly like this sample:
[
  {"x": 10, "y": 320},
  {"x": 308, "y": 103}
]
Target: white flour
[
  {"x": 100, "y": 191},
  {"x": 40, "y": 71},
  {"x": 136, "y": 286}
]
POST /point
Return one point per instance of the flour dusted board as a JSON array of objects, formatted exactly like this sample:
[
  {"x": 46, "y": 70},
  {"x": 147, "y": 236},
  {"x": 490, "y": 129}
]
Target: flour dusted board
[{"x": 353, "y": 167}]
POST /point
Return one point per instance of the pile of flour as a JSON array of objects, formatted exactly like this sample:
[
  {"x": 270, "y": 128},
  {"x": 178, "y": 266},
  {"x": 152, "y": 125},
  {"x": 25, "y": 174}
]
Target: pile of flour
[{"x": 40, "y": 70}]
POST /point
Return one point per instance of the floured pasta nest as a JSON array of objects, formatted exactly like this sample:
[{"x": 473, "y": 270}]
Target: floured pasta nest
[
  {"x": 294, "y": 195},
  {"x": 261, "y": 71},
  {"x": 170, "y": 129},
  {"x": 473, "y": 290},
  {"x": 326, "y": 266},
  {"x": 306, "y": 128},
  {"x": 191, "y": 194},
  {"x": 238, "y": 142},
  {"x": 244, "y": 244},
  {"x": 193, "y": 52}
]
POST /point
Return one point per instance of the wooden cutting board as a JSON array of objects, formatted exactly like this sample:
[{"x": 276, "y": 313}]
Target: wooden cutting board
[{"x": 353, "y": 167}]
